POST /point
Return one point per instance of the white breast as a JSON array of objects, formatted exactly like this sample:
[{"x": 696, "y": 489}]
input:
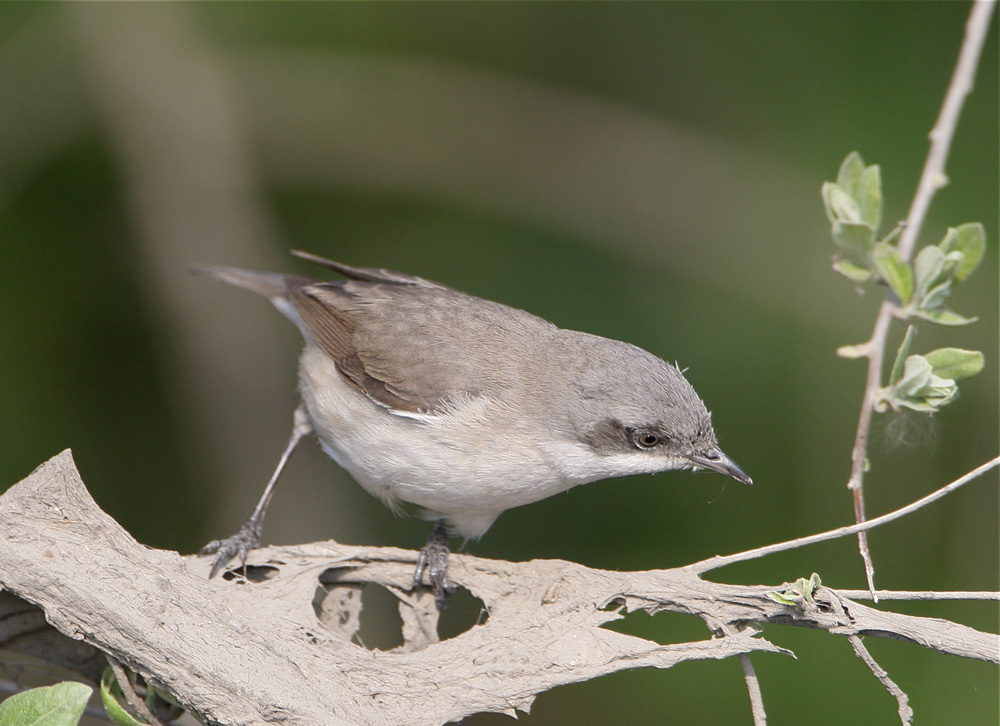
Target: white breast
[{"x": 454, "y": 463}]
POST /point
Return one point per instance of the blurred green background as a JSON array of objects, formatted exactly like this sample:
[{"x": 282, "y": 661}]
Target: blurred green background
[{"x": 648, "y": 172}]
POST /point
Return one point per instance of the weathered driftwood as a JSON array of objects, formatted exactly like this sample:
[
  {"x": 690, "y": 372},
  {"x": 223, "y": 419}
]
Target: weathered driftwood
[{"x": 280, "y": 649}]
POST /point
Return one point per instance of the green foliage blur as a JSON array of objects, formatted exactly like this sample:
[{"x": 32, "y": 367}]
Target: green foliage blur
[{"x": 648, "y": 172}]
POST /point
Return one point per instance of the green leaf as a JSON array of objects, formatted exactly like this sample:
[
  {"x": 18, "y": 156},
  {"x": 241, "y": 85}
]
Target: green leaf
[
  {"x": 849, "y": 174},
  {"x": 111, "y": 695},
  {"x": 917, "y": 374},
  {"x": 970, "y": 240},
  {"x": 953, "y": 261},
  {"x": 58, "y": 705},
  {"x": 854, "y": 273},
  {"x": 826, "y": 191},
  {"x": 955, "y": 363},
  {"x": 799, "y": 594},
  {"x": 869, "y": 196},
  {"x": 914, "y": 404},
  {"x": 934, "y": 298},
  {"x": 855, "y": 240},
  {"x": 844, "y": 207},
  {"x": 919, "y": 388},
  {"x": 944, "y": 316},
  {"x": 904, "y": 350},
  {"x": 897, "y": 273},
  {"x": 927, "y": 267}
]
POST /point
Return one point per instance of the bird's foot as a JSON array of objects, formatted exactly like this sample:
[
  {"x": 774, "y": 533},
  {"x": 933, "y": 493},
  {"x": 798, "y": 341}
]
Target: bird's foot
[
  {"x": 434, "y": 559},
  {"x": 241, "y": 543}
]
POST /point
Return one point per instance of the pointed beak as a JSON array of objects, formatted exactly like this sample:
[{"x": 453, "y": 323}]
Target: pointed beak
[{"x": 715, "y": 460}]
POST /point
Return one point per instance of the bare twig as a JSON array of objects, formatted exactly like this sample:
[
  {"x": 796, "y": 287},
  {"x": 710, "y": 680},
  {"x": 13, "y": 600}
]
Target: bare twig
[
  {"x": 721, "y": 561},
  {"x": 933, "y": 176},
  {"x": 128, "y": 690},
  {"x": 920, "y": 595},
  {"x": 903, "y": 701},
  {"x": 931, "y": 179},
  {"x": 753, "y": 688}
]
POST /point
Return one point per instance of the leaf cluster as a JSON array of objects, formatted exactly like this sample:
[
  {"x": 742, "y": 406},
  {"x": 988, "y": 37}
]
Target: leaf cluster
[
  {"x": 919, "y": 289},
  {"x": 854, "y": 207}
]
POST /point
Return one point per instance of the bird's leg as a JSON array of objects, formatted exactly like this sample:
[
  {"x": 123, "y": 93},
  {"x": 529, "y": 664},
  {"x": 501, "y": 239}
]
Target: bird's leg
[
  {"x": 249, "y": 535},
  {"x": 434, "y": 558}
]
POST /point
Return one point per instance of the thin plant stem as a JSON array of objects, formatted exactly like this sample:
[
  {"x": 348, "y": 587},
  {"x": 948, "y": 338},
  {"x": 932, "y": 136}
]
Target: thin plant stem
[
  {"x": 713, "y": 563},
  {"x": 753, "y": 688},
  {"x": 902, "y": 700},
  {"x": 932, "y": 179}
]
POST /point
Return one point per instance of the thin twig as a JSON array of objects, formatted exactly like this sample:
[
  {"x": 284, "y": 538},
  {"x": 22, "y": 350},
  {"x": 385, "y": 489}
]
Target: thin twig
[
  {"x": 933, "y": 176},
  {"x": 859, "y": 454},
  {"x": 920, "y": 595},
  {"x": 902, "y": 700},
  {"x": 133, "y": 699},
  {"x": 931, "y": 179},
  {"x": 718, "y": 561},
  {"x": 753, "y": 688}
]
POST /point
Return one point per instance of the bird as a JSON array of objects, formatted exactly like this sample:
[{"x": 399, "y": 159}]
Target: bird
[{"x": 466, "y": 407}]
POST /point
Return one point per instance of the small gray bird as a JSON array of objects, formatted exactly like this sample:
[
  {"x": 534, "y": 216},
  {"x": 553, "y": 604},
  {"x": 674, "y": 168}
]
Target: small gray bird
[{"x": 467, "y": 407}]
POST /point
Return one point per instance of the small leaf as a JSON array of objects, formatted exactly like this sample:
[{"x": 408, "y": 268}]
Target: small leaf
[
  {"x": 943, "y": 316},
  {"x": 897, "y": 273},
  {"x": 58, "y": 705},
  {"x": 970, "y": 240},
  {"x": 854, "y": 239},
  {"x": 845, "y": 208},
  {"x": 914, "y": 404},
  {"x": 934, "y": 298},
  {"x": 781, "y": 599},
  {"x": 869, "y": 196},
  {"x": 826, "y": 192},
  {"x": 917, "y": 373},
  {"x": 861, "y": 350},
  {"x": 854, "y": 273},
  {"x": 849, "y": 174},
  {"x": 799, "y": 593},
  {"x": 919, "y": 388},
  {"x": 901, "y": 354},
  {"x": 952, "y": 262},
  {"x": 927, "y": 267},
  {"x": 955, "y": 363}
]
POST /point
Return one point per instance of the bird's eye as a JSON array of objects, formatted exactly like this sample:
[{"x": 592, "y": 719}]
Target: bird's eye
[{"x": 645, "y": 439}]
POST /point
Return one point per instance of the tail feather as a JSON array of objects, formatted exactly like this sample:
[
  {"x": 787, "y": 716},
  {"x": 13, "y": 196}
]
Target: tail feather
[{"x": 269, "y": 284}]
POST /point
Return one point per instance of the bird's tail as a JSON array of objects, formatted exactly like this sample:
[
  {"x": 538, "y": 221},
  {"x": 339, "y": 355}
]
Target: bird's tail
[{"x": 269, "y": 284}]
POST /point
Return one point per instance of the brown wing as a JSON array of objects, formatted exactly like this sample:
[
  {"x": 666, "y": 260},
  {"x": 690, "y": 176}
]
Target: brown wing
[
  {"x": 333, "y": 330},
  {"x": 411, "y": 344}
]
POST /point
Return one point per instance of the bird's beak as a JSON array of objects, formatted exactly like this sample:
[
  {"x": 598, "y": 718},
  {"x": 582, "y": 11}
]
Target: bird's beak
[{"x": 715, "y": 460}]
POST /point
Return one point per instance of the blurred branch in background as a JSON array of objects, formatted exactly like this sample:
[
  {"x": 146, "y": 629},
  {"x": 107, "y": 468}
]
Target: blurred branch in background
[{"x": 175, "y": 121}]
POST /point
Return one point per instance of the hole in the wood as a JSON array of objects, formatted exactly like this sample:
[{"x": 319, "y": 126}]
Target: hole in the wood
[
  {"x": 464, "y": 611},
  {"x": 663, "y": 628},
  {"x": 252, "y": 573},
  {"x": 368, "y": 614}
]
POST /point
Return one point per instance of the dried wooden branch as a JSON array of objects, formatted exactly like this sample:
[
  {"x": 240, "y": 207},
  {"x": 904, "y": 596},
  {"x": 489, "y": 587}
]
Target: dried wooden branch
[{"x": 263, "y": 650}]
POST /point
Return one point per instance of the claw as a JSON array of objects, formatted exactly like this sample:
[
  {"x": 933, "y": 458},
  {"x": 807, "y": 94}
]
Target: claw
[
  {"x": 241, "y": 543},
  {"x": 434, "y": 560}
]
